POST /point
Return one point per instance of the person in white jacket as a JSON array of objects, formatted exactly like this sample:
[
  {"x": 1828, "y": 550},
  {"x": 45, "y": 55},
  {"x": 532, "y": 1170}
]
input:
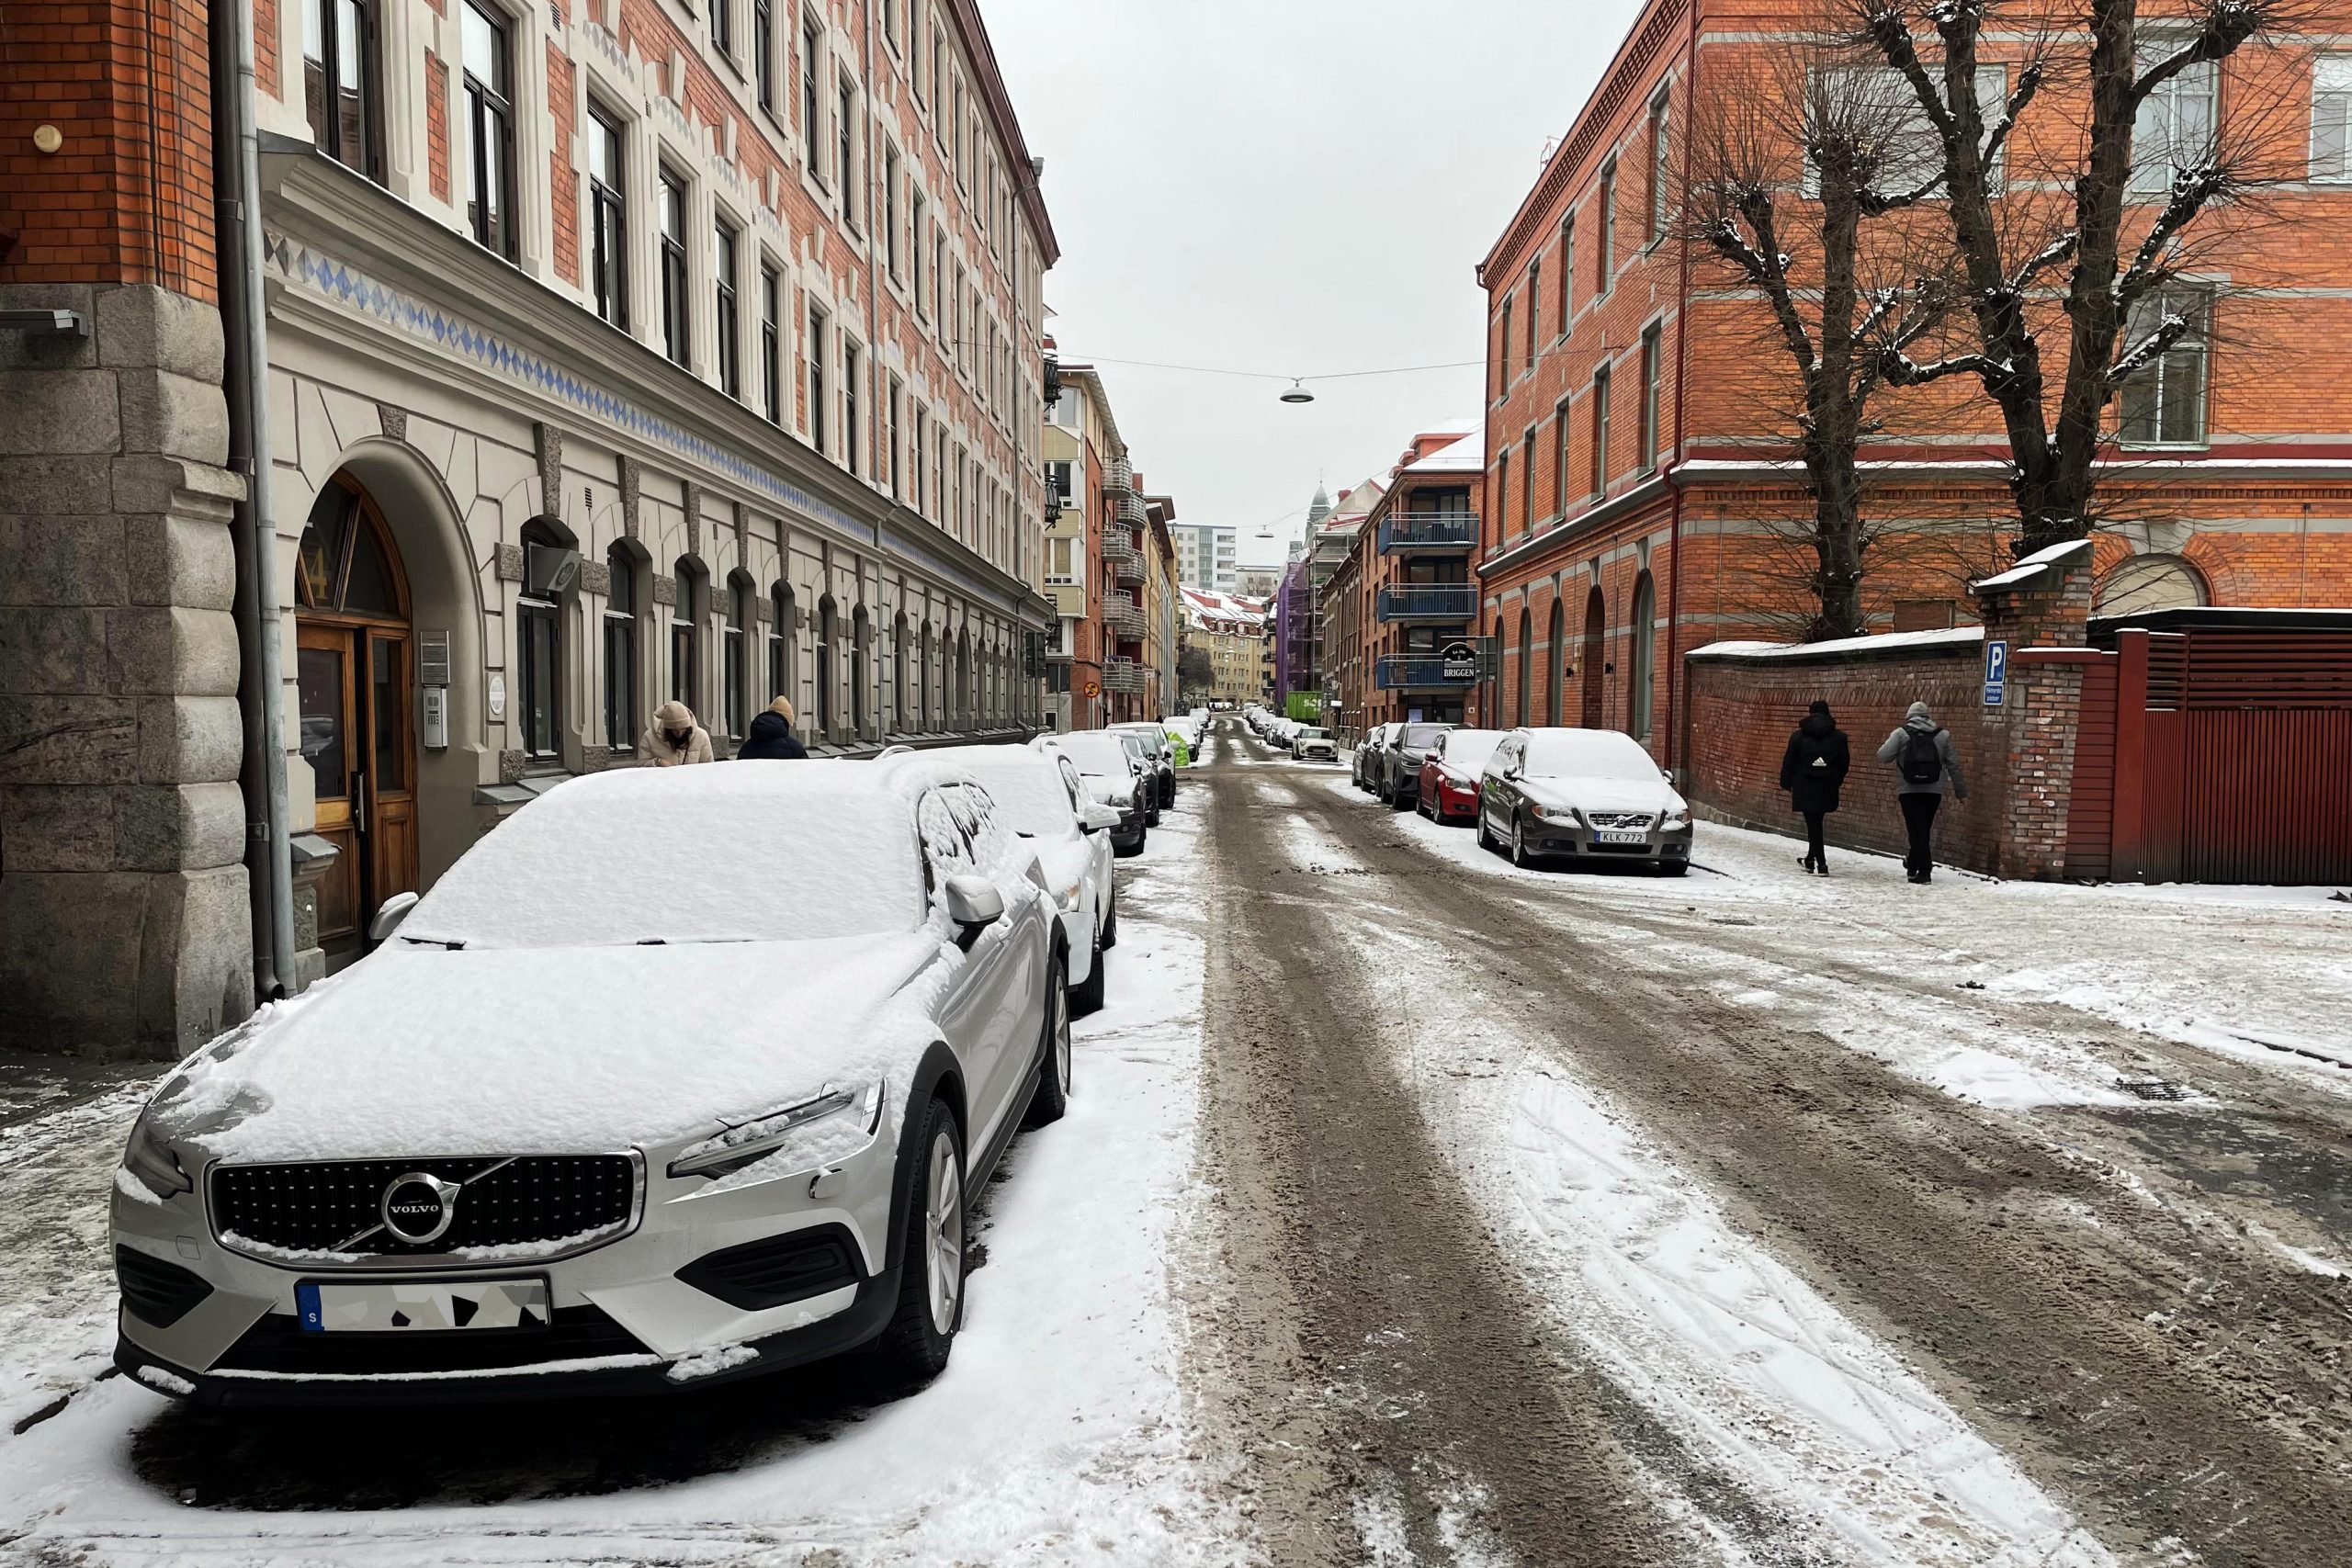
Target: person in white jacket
[{"x": 673, "y": 738}]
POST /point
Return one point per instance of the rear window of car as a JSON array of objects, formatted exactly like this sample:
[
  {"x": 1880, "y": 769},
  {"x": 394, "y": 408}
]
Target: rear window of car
[
  {"x": 1469, "y": 749},
  {"x": 1418, "y": 735},
  {"x": 1096, "y": 752},
  {"x": 1030, "y": 796},
  {"x": 1588, "y": 754},
  {"x": 1315, "y": 735}
]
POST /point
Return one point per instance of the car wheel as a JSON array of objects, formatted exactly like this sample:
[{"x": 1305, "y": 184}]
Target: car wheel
[
  {"x": 1151, "y": 816},
  {"x": 1519, "y": 855},
  {"x": 1051, "y": 1101},
  {"x": 931, "y": 1272},
  {"x": 1087, "y": 998},
  {"x": 1486, "y": 834},
  {"x": 1678, "y": 868},
  {"x": 1110, "y": 923}
]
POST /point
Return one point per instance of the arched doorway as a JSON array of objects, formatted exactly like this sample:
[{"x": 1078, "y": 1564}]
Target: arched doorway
[
  {"x": 1524, "y": 707},
  {"x": 1639, "y": 695},
  {"x": 354, "y": 661},
  {"x": 1596, "y": 642},
  {"x": 963, "y": 679},
  {"x": 1555, "y": 675},
  {"x": 860, "y": 627}
]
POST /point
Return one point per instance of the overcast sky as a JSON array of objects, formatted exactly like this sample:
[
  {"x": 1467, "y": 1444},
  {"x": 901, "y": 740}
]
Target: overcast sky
[{"x": 1303, "y": 186}]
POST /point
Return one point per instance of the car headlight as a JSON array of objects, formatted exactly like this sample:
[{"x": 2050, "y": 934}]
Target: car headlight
[
  {"x": 1069, "y": 894},
  {"x": 1554, "y": 813},
  {"x": 150, "y": 1159},
  {"x": 739, "y": 1147},
  {"x": 1674, "y": 821}
]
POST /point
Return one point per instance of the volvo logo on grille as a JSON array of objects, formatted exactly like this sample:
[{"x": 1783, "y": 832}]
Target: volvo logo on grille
[{"x": 418, "y": 1208}]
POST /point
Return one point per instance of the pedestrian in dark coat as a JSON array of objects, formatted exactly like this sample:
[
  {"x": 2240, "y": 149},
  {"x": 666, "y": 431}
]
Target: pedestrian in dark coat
[
  {"x": 1927, "y": 767},
  {"x": 1815, "y": 765},
  {"x": 771, "y": 737}
]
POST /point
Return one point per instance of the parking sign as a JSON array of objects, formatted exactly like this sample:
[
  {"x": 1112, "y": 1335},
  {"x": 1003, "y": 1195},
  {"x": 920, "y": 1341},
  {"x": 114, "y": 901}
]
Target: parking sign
[{"x": 1997, "y": 671}]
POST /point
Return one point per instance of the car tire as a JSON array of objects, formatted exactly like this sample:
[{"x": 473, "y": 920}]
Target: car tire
[
  {"x": 1679, "y": 868},
  {"x": 1151, "y": 816},
  {"x": 1486, "y": 835},
  {"x": 1110, "y": 923},
  {"x": 1051, "y": 1102},
  {"x": 1519, "y": 855},
  {"x": 1087, "y": 999},
  {"x": 922, "y": 1326},
  {"x": 1134, "y": 849}
]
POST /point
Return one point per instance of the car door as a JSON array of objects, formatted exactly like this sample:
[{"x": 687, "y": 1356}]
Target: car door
[
  {"x": 1010, "y": 959},
  {"x": 970, "y": 1013},
  {"x": 1098, "y": 845},
  {"x": 1498, "y": 794}
]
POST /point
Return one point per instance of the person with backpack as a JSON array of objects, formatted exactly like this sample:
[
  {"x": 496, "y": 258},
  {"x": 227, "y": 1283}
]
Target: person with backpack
[
  {"x": 1927, "y": 767},
  {"x": 1815, "y": 767}
]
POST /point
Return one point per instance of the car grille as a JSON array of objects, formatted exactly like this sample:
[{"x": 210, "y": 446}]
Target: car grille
[
  {"x": 160, "y": 1292},
  {"x": 1618, "y": 818},
  {"x": 332, "y": 1206}
]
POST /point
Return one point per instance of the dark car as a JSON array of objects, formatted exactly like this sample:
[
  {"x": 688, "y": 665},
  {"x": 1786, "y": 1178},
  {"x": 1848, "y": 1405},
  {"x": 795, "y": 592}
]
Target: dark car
[
  {"x": 1594, "y": 794},
  {"x": 1399, "y": 781},
  {"x": 1160, "y": 761},
  {"x": 1111, "y": 768},
  {"x": 1362, "y": 767}
]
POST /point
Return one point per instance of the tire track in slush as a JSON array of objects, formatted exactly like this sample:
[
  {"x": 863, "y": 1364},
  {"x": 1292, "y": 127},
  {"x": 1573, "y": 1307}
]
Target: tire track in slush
[
  {"x": 2179, "y": 1389},
  {"x": 1409, "y": 1381}
]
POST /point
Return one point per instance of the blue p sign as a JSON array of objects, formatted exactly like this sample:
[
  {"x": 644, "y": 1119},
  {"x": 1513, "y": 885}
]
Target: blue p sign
[{"x": 1996, "y": 672}]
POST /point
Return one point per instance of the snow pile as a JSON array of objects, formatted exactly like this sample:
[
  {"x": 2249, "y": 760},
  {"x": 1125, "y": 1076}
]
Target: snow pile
[{"x": 708, "y": 1363}]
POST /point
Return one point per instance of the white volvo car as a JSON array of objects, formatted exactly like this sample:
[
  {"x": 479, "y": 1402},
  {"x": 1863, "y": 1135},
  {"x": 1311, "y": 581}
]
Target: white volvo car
[{"x": 676, "y": 1075}]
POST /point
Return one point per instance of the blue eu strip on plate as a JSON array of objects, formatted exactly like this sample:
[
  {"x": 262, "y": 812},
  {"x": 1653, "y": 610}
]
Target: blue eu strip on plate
[{"x": 306, "y": 1303}]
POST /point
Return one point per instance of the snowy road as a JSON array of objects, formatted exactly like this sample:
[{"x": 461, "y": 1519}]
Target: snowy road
[{"x": 1413, "y": 1209}]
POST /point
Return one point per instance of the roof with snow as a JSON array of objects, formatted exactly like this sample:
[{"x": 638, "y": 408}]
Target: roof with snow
[{"x": 1467, "y": 455}]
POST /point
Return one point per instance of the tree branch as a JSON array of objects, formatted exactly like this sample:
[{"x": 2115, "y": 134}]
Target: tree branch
[
  {"x": 1901, "y": 371},
  {"x": 2227, "y": 24},
  {"x": 2192, "y": 191},
  {"x": 2149, "y": 349}
]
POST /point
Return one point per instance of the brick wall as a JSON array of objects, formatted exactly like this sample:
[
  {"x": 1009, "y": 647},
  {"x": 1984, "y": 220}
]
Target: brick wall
[
  {"x": 126, "y": 197},
  {"x": 437, "y": 125},
  {"x": 265, "y": 47},
  {"x": 564, "y": 186}
]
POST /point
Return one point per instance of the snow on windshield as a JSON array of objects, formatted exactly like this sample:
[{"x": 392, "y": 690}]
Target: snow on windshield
[
  {"x": 714, "y": 853},
  {"x": 1030, "y": 796},
  {"x": 1095, "y": 753},
  {"x": 1469, "y": 749},
  {"x": 1419, "y": 735},
  {"x": 1588, "y": 754}
]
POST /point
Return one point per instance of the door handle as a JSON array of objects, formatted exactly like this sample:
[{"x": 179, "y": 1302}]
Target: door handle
[{"x": 359, "y": 800}]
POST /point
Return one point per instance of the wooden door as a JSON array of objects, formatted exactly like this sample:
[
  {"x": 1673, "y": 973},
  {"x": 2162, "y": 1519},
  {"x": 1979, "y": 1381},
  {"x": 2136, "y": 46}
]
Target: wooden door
[
  {"x": 333, "y": 743},
  {"x": 388, "y": 823}
]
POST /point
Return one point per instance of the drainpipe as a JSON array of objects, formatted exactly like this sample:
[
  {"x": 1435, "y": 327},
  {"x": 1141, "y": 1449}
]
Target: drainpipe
[
  {"x": 874, "y": 381},
  {"x": 261, "y": 688},
  {"x": 1673, "y": 473}
]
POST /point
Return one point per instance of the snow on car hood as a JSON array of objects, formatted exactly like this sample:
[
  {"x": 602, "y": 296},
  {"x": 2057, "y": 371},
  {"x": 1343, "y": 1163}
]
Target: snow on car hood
[
  {"x": 1596, "y": 793},
  {"x": 422, "y": 1051}
]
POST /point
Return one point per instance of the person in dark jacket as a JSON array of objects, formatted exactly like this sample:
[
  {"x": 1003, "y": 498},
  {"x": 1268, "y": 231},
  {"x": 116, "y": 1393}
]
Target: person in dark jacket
[
  {"x": 1927, "y": 767},
  {"x": 770, "y": 739},
  {"x": 1815, "y": 767}
]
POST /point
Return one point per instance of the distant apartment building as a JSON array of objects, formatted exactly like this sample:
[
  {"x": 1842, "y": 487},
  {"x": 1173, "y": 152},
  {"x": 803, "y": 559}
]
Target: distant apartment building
[
  {"x": 1400, "y": 611},
  {"x": 1083, "y": 451},
  {"x": 1207, "y": 557},
  {"x": 1636, "y": 491},
  {"x": 1229, "y": 630}
]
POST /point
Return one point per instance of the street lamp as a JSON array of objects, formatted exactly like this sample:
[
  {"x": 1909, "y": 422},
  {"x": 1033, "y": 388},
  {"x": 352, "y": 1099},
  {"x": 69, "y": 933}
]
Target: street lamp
[{"x": 1297, "y": 394}]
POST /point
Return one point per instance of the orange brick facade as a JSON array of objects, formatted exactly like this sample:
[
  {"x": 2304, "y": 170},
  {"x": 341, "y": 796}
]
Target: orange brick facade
[
  {"x": 127, "y": 196},
  {"x": 1602, "y": 560}
]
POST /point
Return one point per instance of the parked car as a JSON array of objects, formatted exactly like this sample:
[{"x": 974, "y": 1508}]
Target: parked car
[
  {"x": 1162, "y": 754},
  {"x": 1184, "y": 735},
  {"x": 1593, "y": 794},
  {"x": 1113, "y": 768},
  {"x": 1312, "y": 744},
  {"x": 1450, "y": 773},
  {"x": 1399, "y": 781},
  {"x": 1364, "y": 769},
  {"x": 558, "y": 1134},
  {"x": 1044, "y": 798}
]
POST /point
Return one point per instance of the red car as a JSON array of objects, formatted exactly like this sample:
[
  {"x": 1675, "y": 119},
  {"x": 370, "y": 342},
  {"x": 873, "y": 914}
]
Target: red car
[{"x": 1450, "y": 773}]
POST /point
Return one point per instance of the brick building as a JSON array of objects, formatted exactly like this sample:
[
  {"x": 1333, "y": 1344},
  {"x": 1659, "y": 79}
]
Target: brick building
[
  {"x": 610, "y": 350},
  {"x": 1638, "y": 494},
  {"x": 1402, "y": 597},
  {"x": 1084, "y": 457}
]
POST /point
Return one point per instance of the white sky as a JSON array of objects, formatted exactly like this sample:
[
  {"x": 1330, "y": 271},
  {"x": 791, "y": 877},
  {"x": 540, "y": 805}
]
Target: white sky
[{"x": 1295, "y": 186}]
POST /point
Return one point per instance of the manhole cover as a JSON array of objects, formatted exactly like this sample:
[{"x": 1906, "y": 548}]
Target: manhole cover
[{"x": 2151, "y": 1088}]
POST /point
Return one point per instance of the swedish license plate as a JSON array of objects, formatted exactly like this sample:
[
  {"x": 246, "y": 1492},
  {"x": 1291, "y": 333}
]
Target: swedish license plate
[
  {"x": 1619, "y": 835},
  {"x": 400, "y": 1306}
]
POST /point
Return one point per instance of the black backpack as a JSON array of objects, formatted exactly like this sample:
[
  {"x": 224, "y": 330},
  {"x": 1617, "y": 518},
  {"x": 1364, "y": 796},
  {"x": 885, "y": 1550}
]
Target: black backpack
[{"x": 1922, "y": 761}]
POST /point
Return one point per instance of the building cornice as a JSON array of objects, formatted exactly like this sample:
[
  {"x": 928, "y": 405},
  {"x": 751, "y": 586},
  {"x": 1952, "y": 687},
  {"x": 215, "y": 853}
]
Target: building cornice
[
  {"x": 1536, "y": 546},
  {"x": 982, "y": 53}
]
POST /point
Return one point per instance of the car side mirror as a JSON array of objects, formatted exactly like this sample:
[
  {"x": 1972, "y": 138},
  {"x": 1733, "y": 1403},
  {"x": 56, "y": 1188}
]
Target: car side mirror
[
  {"x": 389, "y": 916},
  {"x": 1095, "y": 816},
  {"x": 973, "y": 905}
]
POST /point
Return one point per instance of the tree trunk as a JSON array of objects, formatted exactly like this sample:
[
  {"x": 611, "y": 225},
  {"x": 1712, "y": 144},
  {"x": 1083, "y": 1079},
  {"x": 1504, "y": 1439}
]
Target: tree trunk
[{"x": 1832, "y": 418}]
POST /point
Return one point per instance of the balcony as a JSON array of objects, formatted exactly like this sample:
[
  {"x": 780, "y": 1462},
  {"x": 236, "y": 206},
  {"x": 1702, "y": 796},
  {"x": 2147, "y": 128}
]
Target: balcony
[
  {"x": 1430, "y": 602},
  {"x": 1125, "y": 675},
  {"x": 1424, "y": 671},
  {"x": 1118, "y": 476},
  {"x": 1429, "y": 533},
  {"x": 1124, "y": 559},
  {"x": 1131, "y": 512},
  {"x": 1124, "y": 617}
]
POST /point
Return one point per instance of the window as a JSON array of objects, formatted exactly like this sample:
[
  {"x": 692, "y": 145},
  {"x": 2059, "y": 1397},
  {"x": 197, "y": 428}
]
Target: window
[
  {"x": 686, "y": 622},
  {"x": 1527, "y": 481},
  {"x": 1607, "y": 252},
  {"x": 1567, "y": 272},
  {"x": 1503, "y": 349},
  {"x": 1534, "y": 305},
  {"x": 783, "y": 642},
  {"x": 938, "y": 61},
  {"x": 1644, "y": 657},
  {"x": 2331, "y": 117},
  {"x": 674, "y": 338},
  {"x": 538, "y": 656},
  {"x": 1560, "y": 456},
  {"x": 845, "y": 138},
  {"x": 894, "y": 413},
  {"x": 763, "y": 52},
  {"x": 740, "y": 614},
  {"x": 1502, "y": 493},
  {"x": 771, "y": 344},
  {"x": 890, "y": 210},
  {"x": 339, "y": 80},
  {"x": 850, "y": 433},
  {"x": 810, "y": 130},
  {"x": 1655, "y": 227},
  {"x": 2175, "y": 127},
  {"x": 917, "y": 221},
  {"x": 815, "y": 349},
  {"x": 915, "y": 455},
  {"x": 1652, "y": 344},
  {"x": 731, "y": 335},
  {"x": 2164, "y": 403},
  {"x": 607, "y": 219},
  {"x": 1061, "y": 560},
  {"x": 620, "y": 649},
  {"x": 490, "y": 131},
  {"x": 722, "y": 26},
  {"x": 1600, "y": 431}
]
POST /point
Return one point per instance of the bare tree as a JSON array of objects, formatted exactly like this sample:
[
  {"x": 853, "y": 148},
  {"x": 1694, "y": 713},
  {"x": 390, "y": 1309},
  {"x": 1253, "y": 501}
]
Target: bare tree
[
  {"x": 2121, "y": 241},
  {"x": 1817, "y": 145}
]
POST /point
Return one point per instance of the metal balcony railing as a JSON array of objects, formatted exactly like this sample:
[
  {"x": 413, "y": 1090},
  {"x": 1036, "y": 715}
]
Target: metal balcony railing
[
  {"x": 1124, "y": 559},
  {"x": 1416, "y": 671},
  {"x": 1118, "y": 476},
  {"x": 1432, "y": 601},
  {"x": 1131, "y": 512},
  {"x": 1124, "y": 617},
  {"x": 1125, "y": 675},
  {"x": 1431, "y": 531}
]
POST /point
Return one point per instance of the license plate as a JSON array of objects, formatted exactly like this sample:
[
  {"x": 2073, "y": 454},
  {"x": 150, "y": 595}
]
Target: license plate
[
  {"x": 401, "y": 1307},
  {"x": 1619, "y": 835}
]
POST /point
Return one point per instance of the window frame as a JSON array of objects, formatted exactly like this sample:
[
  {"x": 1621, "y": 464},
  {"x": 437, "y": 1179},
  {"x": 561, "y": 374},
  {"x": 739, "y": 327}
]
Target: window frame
[
  {"x": 2196, "y": 348},
  {"x": 367, "y": 58},
  {"x": 674, "y": 197},
  {"x": 488, "y": 102},
  {"x": 813, "y": 353},
  {"x": 608, "y": 221},
  {"x": 1653, "y": 378},
  {"x": 812, "y": 41},
  {"x": 1602, "y": 374},
  {"x": 771, "y": 341},
  {"x": 619, "y": 642},
  {"x": 1608, "y": 221},
  {"x": 727, "y": 312},
  {"x": 2341, "y": 93},
  {"x": 1660, "y": 155},
  {"x": 763, "y": 55},
  {"x": 851, "y": 363}
]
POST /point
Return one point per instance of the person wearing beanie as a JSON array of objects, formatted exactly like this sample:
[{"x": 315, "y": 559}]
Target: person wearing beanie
[
  {"x": 770, "y": 739},
  {"x": 1812, "y": 770},
  {"x": 1927, "y": 767},
  {"x": 673, "y": 738}
]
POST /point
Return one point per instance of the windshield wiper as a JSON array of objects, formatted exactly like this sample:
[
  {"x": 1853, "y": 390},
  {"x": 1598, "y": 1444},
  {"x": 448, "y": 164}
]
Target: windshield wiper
[{"x": 454, "y": 944}]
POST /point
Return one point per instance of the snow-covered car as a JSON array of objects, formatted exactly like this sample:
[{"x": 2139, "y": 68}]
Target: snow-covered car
[
  {"x": 1593, "y": 794},
  {"x": 1113, "y": 769},
  {"x": 677, "y": 1076},
  {"x": 1450, "y": 772},
  {"x": 1160, "y": 758},
  {"x": 1279, "y": 733},
  {"x": 1311, "y": 743},
  {"x": 1043, "y": 797},
  {"x": 1364, "y": 769}
]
